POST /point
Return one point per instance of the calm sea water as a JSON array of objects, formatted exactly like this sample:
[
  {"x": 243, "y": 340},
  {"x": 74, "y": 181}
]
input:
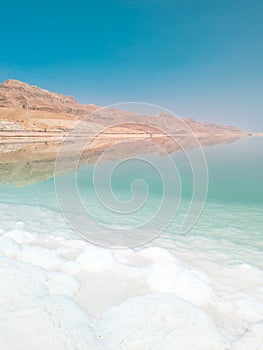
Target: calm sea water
[
  {"x": 206, "y": 281},
  {"x": 234, "y": 204}
]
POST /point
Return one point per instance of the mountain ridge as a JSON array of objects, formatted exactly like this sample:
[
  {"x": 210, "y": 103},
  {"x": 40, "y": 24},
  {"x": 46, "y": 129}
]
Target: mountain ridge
[
  {"x": 17, "y": 94},
  {"x": 35, "y": 109},
  {"x": 35, "y": 122}
]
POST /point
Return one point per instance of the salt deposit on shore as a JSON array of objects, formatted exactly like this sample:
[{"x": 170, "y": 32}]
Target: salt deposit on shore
[{"x": 60, "y": 292}]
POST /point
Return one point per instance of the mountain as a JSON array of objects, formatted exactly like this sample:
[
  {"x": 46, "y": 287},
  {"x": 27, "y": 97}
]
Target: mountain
[
  {"x": 16, "y": 94},
  {"x": 34, "y": 123},
  {"x": 32, "y": 108}
]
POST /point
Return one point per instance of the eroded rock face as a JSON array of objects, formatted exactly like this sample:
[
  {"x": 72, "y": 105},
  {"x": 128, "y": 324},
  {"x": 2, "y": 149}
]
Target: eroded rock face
[
  {"x": 20, "y": 99},
  {"x": 16, "y": 94},
  {"x": 34, "y": 108}
]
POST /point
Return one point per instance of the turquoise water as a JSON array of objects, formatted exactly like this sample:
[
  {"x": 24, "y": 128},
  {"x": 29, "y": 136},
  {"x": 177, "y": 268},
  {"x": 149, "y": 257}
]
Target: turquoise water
[
  {"x": 206, "y": 281},
  {"x": 233, "y": 209}
]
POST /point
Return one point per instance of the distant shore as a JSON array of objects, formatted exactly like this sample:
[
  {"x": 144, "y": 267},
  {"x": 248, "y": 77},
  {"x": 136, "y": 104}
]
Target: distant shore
[{"x": 13, "y": 136}]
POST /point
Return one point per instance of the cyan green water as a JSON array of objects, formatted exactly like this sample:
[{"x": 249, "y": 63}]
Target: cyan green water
[{"x": 234, "y": 206}]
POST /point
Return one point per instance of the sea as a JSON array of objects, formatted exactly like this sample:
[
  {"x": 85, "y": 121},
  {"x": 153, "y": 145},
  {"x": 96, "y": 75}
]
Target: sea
[{"x": 148, "y": 252}]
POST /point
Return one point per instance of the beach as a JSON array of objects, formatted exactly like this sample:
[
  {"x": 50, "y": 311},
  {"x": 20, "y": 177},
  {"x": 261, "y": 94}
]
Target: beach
[{"x": 200, "y": 290}]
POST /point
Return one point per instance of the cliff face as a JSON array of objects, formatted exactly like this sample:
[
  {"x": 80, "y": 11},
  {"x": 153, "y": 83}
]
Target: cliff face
[
  {"x": 15, "y": 94},
  {"x": 32, "y": 108}
]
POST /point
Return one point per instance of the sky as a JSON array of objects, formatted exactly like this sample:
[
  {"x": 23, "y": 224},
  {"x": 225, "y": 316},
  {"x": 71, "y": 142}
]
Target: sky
[{"x": 199, "y": 59}]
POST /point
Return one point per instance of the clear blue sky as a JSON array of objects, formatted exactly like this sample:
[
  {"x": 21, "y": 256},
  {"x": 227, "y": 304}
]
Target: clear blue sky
[{"x": 201, "y": 59}]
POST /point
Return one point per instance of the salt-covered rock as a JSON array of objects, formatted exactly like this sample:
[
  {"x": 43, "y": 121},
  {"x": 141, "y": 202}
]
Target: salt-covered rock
[
  {"x": 158, "y": 321},
  {"x": 251, "y": 339}
]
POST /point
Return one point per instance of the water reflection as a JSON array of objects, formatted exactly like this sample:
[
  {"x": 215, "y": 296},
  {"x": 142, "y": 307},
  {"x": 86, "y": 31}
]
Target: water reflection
[{"x": 23, "y": 163}]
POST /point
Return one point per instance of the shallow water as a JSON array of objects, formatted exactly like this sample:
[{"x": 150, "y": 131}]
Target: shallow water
[{"x": 207, "y": 283}]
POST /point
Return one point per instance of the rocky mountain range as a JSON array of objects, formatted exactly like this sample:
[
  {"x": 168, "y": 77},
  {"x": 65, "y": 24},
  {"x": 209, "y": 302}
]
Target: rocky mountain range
[
  {"x": 35, "y": 109},
  {"x": 34, "y": 122}
]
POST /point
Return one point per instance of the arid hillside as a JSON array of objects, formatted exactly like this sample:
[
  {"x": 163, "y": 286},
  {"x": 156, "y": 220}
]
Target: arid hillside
[
  {"x": 27, "y": 107},
  {"x": 34, "y": 123}
]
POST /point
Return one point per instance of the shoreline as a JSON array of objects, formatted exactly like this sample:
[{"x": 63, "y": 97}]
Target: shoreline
[{"x": 13, "y": 136}]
